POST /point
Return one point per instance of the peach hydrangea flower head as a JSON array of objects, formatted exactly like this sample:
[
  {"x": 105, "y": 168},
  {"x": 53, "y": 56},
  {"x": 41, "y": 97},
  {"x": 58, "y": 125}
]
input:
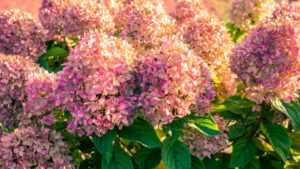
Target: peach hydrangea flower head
[
  {"x": 74, "y": 17},
  {"x": 34, "y": 148},
  {"x": 114, "y": 6},
  {"x": 123, "y": 15},
  {"x": 286, "y": 11},
  {"x": 267, "y": 61},
  {"x": 208, "y": 38},
  {"x": 245, "y": 15},
  {"x": 173, "y": 82},
  {"x": 21, "y": 34},
  {"x": 188, "y": 10},
  {"x": 95, "y": 84},
  {"x": 147, "y": 26}
]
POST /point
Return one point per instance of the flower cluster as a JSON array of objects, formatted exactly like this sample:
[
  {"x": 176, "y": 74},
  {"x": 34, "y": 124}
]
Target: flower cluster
[
  {"x": 147, "y": 26},
  {"x": 14, "y": 71},
  {"x": 214, "y": 51},
  {"x": 34, "y": 148},
  {"x": 114, "y": 6},
  {"x": 74, "y": 17},
  {"x": 246, "y": 14},
  {"x": 286, "y": 11},
  {"x": 173, "y": 82},
  {"x": 267, "y": 61},
  {"x": 21, "y": 35},
  {"x": 187, "y": 10},
  {"x": 40, "y": 89},
  {"x": 202, "y": 146},
  {"x": 95, "y": 84},
  {"x": 123, "y": 15},
  {"x": 26, "y": 91}
]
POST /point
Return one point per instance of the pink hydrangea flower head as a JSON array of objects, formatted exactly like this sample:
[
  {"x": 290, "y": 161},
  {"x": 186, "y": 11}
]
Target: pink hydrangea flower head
[
  {"x": 123, "y": 15},
  {"x": 245, "y": 15},
  {"x": 203, "y": 146},
  {"x": 173, "y": 82},
  {"x": 267, "y": 61},
  {"x": 95, "y": 84},
  {"x": 208, "y": 38},
  {"x": 21, "y": 35},
  {"x": 147, "y": 26},
  {"x": 14, "y": 72},
  {"x": 74, "y": 17},
  {"x": 34, "y": 148},
  {"x": 187, "y": 10},
  {"x": 286, "y": 11},
  {"x": 40, "y": 92}
]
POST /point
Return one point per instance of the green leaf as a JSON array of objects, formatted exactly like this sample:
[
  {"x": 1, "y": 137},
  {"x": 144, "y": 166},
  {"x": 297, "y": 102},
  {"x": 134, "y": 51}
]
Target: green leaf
[
  {"x": 43, "y": 62},
  {"x": 228, "y": 115},
  {"x": 142, "y": 132},
  {"x": 243, "y": 151},
  {"x": 235, "y": 131},
  {"x": 176, "y": 155},
  {"x": 196, "y": 163},
  {"x": 97, "y": 160},
  {"x": 54, "y": 58},
  {"x": 147, "y": 158},
  {"x": 254, "y": 164},
  {"x": 57, "y": 51},
  {"x": 236, "y": 33},
  {"x": 295, "y": 140},
  {"x": 279, "y": 139},
  {"x": 104, "y": 144},
  {"x": 262, "y": 145},
  {"x": 222, "y": 160},
  {"x": 205, "y": 124},
  {"x": 120, "y": 160},
  {"x": 235, "y": 104},
  {"x": 86, "y": 164},
  {"x": 174, "y": 129},
  {"x": 269, "y": 162},
  {"x": 86, "y": 144},
  {"x": 292, "y": 110},
  {"x": 210, "y": 163}
]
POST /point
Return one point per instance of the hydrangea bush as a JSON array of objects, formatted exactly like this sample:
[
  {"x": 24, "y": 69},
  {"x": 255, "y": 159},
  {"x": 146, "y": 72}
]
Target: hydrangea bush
[{"x": 96, "y": 84}]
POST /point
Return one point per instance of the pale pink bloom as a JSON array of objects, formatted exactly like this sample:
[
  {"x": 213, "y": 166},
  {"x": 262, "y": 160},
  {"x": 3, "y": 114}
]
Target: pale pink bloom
[
  {"x": 74, "y": 17},
  {"x": 21, "y": 34},
  {"x": 173, "y": 82},
  {"x": 96, "y": 84},
  {"x": 34, "y": 148},
  {"x": 207, "y": 37}
]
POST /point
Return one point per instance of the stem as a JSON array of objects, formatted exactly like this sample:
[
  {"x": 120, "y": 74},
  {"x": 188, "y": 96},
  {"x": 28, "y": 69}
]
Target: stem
[{"x": 118, "y": 140}]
